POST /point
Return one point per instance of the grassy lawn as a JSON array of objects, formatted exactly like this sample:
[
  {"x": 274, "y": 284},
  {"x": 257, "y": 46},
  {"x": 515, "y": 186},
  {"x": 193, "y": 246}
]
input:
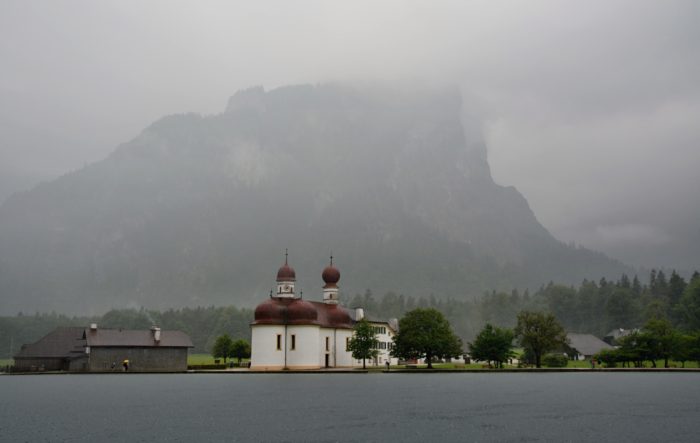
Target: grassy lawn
[
  {"x": 671, "y": 363},
  {"x": 206, "y": 359},
  {"x": 6, "y": 361},
  {"x": 572, "y": 364},
  {"x": 200, "y": 359}
]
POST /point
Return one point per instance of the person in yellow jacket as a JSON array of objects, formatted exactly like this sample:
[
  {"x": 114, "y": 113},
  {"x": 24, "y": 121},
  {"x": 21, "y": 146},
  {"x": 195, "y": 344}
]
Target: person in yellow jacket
[{"x": 125, "y": 363}]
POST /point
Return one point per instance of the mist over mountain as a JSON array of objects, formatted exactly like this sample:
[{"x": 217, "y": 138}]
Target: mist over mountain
[{"x": 198, "y": 210}]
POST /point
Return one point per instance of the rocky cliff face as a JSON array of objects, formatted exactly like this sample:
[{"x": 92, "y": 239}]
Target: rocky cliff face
[{"x": 198, "y": 210}]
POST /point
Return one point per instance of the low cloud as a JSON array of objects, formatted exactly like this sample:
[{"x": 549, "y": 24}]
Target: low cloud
[{"x": 633, "y": 233}]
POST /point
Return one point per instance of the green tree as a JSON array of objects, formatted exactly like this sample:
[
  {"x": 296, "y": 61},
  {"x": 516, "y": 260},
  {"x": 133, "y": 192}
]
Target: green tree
[
  {"x": 493, "y": 344},
  {"x": 425, "y": 333},
  {"x": 240, "y": 349},
  {"x": 694, "y": 351},
  {"x": 664, "y": 339},
  {"x": 676, "y": 286},
  {"x": 683, "y": 350},
  {"x": 637, "y": 348},
  {"x": 222, "y": 347},
  {"x": 363, "y": 343},
  {"x": 608, "y": 357},
  {"x": 689, "y": 306},
  {"x": 539, "y": 333}
]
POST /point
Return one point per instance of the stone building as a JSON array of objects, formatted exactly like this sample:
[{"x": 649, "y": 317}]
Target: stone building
[
  {"x": 103, "y": 350},
  {"x": 53, "y": 352}
]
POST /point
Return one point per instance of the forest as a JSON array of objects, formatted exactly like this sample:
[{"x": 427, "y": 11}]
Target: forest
[{"x": 592, "y": 307}]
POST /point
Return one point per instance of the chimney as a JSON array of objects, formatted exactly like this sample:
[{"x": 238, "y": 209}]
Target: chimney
[
  {"x": 93, "y": 326},
  {"x": 359, "y": 314},
  {"x": 156, "y": 333}
]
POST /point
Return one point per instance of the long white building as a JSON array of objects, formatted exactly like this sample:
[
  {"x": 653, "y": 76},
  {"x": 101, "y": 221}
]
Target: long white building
[{"x": 292, "y": 333}]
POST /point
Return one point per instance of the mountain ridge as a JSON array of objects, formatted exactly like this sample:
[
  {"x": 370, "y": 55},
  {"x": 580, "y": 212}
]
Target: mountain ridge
[{"x": 198, "y": 209}]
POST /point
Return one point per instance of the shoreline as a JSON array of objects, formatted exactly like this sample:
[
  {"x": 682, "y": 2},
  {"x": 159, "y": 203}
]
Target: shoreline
[{"x": 373, "y": 371}]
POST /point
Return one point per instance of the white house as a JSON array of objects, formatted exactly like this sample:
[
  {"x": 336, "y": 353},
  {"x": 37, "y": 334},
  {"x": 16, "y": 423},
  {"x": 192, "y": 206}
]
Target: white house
[{"x": 289, "y": 332}]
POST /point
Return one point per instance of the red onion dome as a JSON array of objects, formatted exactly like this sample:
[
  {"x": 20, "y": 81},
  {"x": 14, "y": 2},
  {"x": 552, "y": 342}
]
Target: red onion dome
[
  {"x": 272, "y": 311},
  {"x": 330, "y": 275},
  {"x": 339, "y": 316},
  {"x": 280, "y": 311},
  {"x": 301, "y": 312},
  {"x": 286, "y": 273}
]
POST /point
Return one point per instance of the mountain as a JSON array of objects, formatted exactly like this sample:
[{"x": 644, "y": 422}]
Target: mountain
[{"x": 198, "y": 210}]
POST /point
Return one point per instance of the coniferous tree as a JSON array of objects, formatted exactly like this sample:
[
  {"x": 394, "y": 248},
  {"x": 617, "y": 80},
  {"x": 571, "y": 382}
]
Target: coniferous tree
[
  {"x": 688, "y": 310},
  {"x": 624, "y": 281},
  {"x": 676, "y": 286},
  {"x": 636, "y": 287}
]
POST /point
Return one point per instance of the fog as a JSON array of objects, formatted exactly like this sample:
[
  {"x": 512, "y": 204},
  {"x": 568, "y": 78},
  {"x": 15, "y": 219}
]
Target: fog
[{"x": 590, "y": 110}]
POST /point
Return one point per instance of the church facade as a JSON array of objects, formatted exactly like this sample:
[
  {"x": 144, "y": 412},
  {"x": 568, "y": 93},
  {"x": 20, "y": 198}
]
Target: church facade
[{"x": 289, "y": 332}]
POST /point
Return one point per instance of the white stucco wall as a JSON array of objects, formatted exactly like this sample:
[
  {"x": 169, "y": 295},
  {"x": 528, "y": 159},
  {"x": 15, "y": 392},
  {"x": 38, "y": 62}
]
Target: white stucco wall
[
  {"x": 310, "y": 350},
  {"x": 264, "y": 353},
  {"x": 304, "y": 355},
  {"x": 384, "y": 354},
  {"x": 326, "y": 333},
  {"x": 344, "y": 357}
]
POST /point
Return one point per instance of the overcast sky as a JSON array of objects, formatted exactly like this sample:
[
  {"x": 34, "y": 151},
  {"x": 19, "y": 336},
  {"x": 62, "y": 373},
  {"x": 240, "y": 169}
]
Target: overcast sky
[{"x": 591, "y": 109}]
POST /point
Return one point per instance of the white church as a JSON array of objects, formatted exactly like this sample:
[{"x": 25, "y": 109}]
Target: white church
[{"x": 292, "y": 333}]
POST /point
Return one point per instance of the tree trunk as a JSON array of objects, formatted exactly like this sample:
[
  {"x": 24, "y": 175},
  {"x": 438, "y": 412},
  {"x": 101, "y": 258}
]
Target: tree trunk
[
  {"x": 666, "y": 362},
  {"x": 538, "y": 359},
  {"x": 430, "y": 361},
  {"x": 363, "y": 364}
]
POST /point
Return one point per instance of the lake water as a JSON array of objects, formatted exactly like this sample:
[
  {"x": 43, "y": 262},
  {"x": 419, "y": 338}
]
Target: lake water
[{"x": 351, "y": 407}]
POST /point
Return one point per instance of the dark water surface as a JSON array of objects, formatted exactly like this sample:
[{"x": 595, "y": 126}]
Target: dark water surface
[{"x": 351, "y": 407}]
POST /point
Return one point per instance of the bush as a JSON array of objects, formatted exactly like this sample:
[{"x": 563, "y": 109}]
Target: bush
[
  {"x": 608, "y": 357},
  {"x": 555, "y": 360}
]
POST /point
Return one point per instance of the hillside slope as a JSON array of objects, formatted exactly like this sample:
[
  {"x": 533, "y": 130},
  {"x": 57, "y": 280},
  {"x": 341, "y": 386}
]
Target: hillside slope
[{"x": 199, "y": 210}]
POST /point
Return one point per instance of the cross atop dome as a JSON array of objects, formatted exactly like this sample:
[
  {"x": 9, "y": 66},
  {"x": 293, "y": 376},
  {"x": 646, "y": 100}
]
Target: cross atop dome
[{"x": 330, "y": 276}]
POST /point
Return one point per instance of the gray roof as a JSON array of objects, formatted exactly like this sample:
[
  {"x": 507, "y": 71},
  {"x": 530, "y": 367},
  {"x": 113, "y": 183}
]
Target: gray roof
[
  {"x": 59, "y": 343},
  {"x": 136, "y": 338},
  {"x": 586, "y": 344},
  {"x": 392, "y": 322},
  {"x": 69, "y": 342},
  {"x": 619, "y": 333}
]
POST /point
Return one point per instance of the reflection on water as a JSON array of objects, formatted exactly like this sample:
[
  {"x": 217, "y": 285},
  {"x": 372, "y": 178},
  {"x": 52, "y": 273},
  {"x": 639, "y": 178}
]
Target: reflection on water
[{"x": 351, "y": 407}]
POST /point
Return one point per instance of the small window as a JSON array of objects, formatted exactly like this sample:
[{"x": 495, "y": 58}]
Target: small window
[
  {"x": 328, "y": 344},
  {"x": 294, "y": 342},
  {"x": 279, "y": 342},
  {"x": 347, "y": 344}
]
